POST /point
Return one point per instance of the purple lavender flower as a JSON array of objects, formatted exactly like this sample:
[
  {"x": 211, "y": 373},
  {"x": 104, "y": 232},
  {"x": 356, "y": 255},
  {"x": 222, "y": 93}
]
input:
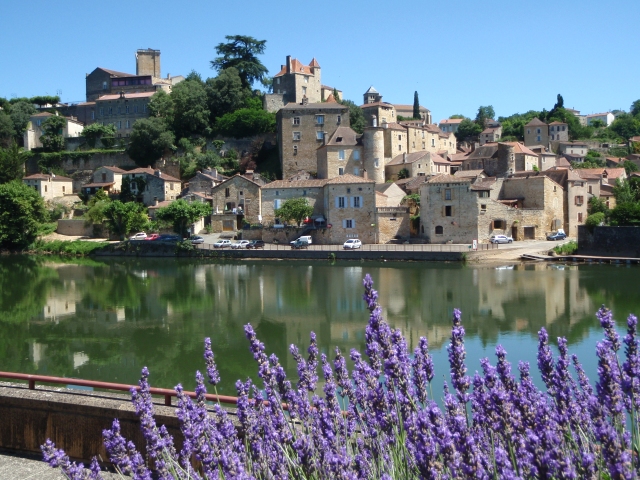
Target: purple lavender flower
[
  {"x": 605, "y": 317},
  {"x": 212, "y": 369},
  {"x": 423, "y": 370},
  {"x": 457, "y": 355}
]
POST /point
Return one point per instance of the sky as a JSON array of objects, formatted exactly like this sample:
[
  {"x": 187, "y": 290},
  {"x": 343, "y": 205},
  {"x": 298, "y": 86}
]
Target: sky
[{"x": 511, "y": 54}]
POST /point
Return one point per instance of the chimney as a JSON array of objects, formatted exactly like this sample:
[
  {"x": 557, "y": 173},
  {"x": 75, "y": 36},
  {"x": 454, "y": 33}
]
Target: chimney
[
  {"x": 168, "y": 76},
  {"x": 324, "y": 138},
  {"x": 365, "y": 175},
  {"x": 288, "y": 63},
  {"x": 248, "y": 174},
  {"x": 385, "y": 125},
  {"x": 305, "y": 100},
  {"x": 404, "y": 157},
  {"x": 155, "y": 201},
  {"x": 158, "y": 173},
  {"x": 121, "y": 94}
]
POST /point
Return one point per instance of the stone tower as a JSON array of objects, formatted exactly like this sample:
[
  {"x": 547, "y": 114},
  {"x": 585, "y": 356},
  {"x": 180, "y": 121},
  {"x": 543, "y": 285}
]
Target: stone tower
[
  {"x": 148, "y": 62},
  {"x": 506, "y": 160},
  {"x": 373, "y": 141}
]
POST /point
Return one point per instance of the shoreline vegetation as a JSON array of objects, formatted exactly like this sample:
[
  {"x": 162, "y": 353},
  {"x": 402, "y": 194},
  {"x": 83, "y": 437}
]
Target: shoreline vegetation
[{"x": 380, "y": 419}]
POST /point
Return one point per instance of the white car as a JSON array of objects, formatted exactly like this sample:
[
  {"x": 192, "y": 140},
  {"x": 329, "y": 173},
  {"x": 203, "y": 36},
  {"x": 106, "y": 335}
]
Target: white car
[
  {"x": 240, "y": 244},
  {"x": 222, "y": 244},
  {"x": 304, "y": 238},
  {"x": 500, "y": 239},
  {"x": 138, "y": 236},
  {"x": 352, "y": 243}
]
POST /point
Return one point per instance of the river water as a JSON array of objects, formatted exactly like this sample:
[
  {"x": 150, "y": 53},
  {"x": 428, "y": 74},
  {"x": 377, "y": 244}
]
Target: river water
[{"x": 105, "y": 320}]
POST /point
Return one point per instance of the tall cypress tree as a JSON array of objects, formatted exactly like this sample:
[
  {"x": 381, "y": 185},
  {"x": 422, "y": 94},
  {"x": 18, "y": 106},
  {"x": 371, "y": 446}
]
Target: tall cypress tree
[{"x": 416, "y": 105}]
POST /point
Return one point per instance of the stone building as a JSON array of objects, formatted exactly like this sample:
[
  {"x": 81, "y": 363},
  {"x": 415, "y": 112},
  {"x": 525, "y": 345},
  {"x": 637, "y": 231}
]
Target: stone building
[
  {"x": 234, "y": 201},
  {"x": 350, "y": 209},
  {"x": 406, "y": 111},
  {"x": 122, "y": 110},
  {"x": 456, "y": 210},
  {"x": 152, "y": 186},
  {"x": 374, "y": 107},
  {"x": 490, "y": 135},
  {"x": 108, "y": 179},
  {"x": 73, "y": 128},
  {"x": 275, "y": 193},
  {"x": 417, "y": 164},
  {"x": 501, "y": 159},
  {"x": 558, "y": 132},
  {"x": 296, "y": 82},
  {"x": 536, "y": 132},
  {"x": 301, "y": 130},
  {"x": 103, "y": 81},
  {"x": 204, "y": 182},
  {"x": 49, "y": 186},
  {"x": 341, "y": 153},
  {"x": 450, "y": 125},
  {"x": 574, "y": 151}
]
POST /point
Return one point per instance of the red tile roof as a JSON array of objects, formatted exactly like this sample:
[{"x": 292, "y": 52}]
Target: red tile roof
[
  {"x": 46, "y": 176},
  {"x": 348, "y": 178},
  {"x": 298, "y": 67},
  {"x": 448, "y": 121},
  {"x": 311, "y": 183}
]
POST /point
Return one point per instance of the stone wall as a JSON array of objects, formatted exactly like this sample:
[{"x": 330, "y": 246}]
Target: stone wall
[
  {"x": 609, "y": 241},
  {"x": 393, "y": 223},
  {"x": 272, "y": 102},
  {"x": 74, "y": 227},
  {"x": 238, "y": 192},
  {"x": 314, "y": 195},
  {"x": 330, "y": 163},
  {"x": 361, "y": 218},
  {"x": 245, "y": 145}
]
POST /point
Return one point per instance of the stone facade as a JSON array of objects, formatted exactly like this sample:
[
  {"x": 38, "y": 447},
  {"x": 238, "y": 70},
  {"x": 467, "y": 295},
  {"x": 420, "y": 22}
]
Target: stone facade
[
  {"x": 395, "y": 140},
  {"x": 558, "y": 132},
  {"x": 158, "y": 186},
  {"x": 406, "y": 111},
  {"x": 296, "y": 82},
  {"x": 490, "y": 135},
  {"x": 576, "y": 148},
  {"x": 383, "y": 112},
  {"x": 148, "y": 62},
  {"x": 341, "y": 153},
  {"x": 501, "y": 159},
  {"x": 72, "y": 129},
  {"x": 238, "y": 193},
  {"x": 122, "y": 110},
  {"x": 536, "y": 132},
  {"x": 350, "y": 209},
  {"x": 301, "y": 130},
  {"x": 49, "y": 186},
  {"x": 205, "y": 182},
  {"x": 276, "y": 193},
  {"x": 450, "y": 125},
  {"x": 393, "y": 223},
  {"x": 108, "y": 179}
]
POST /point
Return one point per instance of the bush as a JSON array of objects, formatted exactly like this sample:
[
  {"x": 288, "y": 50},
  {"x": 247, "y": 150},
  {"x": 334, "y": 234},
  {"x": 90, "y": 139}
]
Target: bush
[
  {"x": 380, "y": 421},
  {"x": 625, "y": 214},
  {"x": 246, "y": 122},
  {"x": 568, "y": 248},
  {"x": 65, "y": 247},
  {"x": 594, "y": 220}
]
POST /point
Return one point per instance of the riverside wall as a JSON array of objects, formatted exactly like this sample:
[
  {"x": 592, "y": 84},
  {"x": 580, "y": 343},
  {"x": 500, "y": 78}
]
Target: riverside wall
[{"x": 609, "y": 241}]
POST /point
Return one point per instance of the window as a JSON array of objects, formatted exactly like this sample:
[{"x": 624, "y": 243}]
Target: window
[
  {"x": 340, "y": 171},
  {"x": 356, "y": 154},
  {"x": 340, "y": 154},
  {"x": 170, "y": 186},
  {"x": 119, "y": 124},
  {"x": 119, "y": 110},
  {"x": 135, "y": 109},
  {"x": 413, "y": 144},
  {"x": 528, "y": 131},
  {"x": 295, "y": 149},
  {"x": 356, "y": 171},
  {"x": 304, "y": 90},
  {"x": 104, "y": 85},
  {"x": 349, "y": 223},
  {"x": 591, "y": 189},
  {"x": 439, "y": 230},
  {"x": 144, "y": 108},
  {"x": 110, "y": 110},
  {"x": 483, "y": 194},
  {"x": 63, "y": 188},
  {"x": 376, "y": 162},
  {"x": 306, "y": 79},
  {"x": 538, "y": 131},
  {"x": 448, "y": 211},
  {"x": 319, "y": 135},
  {"x": 538, "y": 137},
  {"x": 128, "y": 124},
  {"x": 278, "y": 80},
  {"x": 296, "y": 120},
  {"x": 424, "y": 145},
  {"x": 277, "y": 193},
  {"x": 579, "y": 216},
  {"x": 447, "y": 194},
  {"x": 357, "y": 202},
  {"x": 93, "y": 115},
  {"x": 126, "y": 109},
  {"x": 276, "y": 203},
  {"x": 101, "y": 111},
  {"x": 339, "y": 120},
  {"x": 296, "y": 136},
  {"x": 400, "y": 147},
  {"x": 483, "y": 208},
  {"x": 499, "y": 224},
  {"x": 341, "y": 202},
  {"x": 45, "y": 188},
  {"x": 304, "y": 193},
  {"x": 433, "y": 142},
  {"x": 579, "y": 199},
  {"x": 227, "y": 193},
  {"x": 400, "y": 137},
  {"x": 320, "y": 119}
]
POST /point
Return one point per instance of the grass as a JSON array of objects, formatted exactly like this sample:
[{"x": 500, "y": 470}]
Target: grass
[
  {"x": 568, "y": 248},
  {"x": 65, "y": 247}
]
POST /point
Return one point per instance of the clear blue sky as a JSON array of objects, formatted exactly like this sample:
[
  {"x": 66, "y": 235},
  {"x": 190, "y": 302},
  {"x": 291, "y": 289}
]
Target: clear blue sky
[{"x": 511, "y": 54}]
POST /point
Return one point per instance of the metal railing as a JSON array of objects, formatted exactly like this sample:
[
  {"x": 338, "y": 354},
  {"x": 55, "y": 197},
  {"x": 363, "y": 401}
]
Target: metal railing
[
  {"x": 386, "y": 247},
  {"x": 164, "y": 392}
]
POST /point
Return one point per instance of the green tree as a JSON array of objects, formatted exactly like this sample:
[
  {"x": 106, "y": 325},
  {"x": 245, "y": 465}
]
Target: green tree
[
  {"x": 626, "y": 126},
  {"x": 225, "y": 93},
  {"x": 484, "y": 113},
  {"x": 468, "y": 130},
  {"x": 52, "y": 128},
  {"x": 126, "y": 190},
  {"x": 182, "y": 214},
  {"x": 246, "y": 122},
  {"x": 559, "y": 103},
  {"x": 194, "y": 77},
  {"x": 404, "y": 173},
  {"x": 597, "y": 205},
  {"x": 20, "y": 114},
  {"x": 161, "y": 105},
  {"x": 97, "y": 205},
  {"x": 416, "y": 105},
  {"x": 42, "y": 100},
  {"x": 336, "y": 95},
  {"x": 457, "y": 115},
  {"x": 7, "y": 132},
  {"x": 629, "y": 167},
  {"x": 294, "y": 209},
  {"x": 241, "y": 52},
  {"x": 356, "y": 116},
  {"x": 625, "y": 214},
  {"x": 124, "y": 218},
  {"x": 150, "y": 139},
  {"x": 12, "y": 160},
  {"x": 635, "y": 108},
  {"x": 96, "y": 131},
  {"x": 595, "y": 219},
  {"x": 625, "y": 191},
  {"x": 21, "y": 213},
  {"x": 190, "y": 110}
]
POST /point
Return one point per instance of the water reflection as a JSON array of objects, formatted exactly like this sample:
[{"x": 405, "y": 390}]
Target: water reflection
[{"x": 105, "y": 320}]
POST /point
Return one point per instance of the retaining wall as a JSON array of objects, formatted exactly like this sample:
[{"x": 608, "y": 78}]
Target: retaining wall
[{"x": 609, "y": 241}]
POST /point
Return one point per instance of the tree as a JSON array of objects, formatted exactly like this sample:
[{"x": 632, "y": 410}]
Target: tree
[
  {"x": 629, "y": 167},
  {"x": 595, "y": 220},
  {"x": 635, "y": 108},
  {"x": 20, "y": 114},
  {"x": 625, "y": 214},
  {"x": 190, "y": 110},
  {"x": 21, "y": 213},
  {"x": 336, "y": 95},
  {"x": 96, "y": 131},
  {"x": 161, "y": 105},
  {"x": 42, "y": 100},
  {"x": 124, "y": 218},
  {"x": 416, "y": 105},
  {"x": 294, "y": 209},
  {"x": 468, "y": 129},
  {"x": 484, "y": 113},
  {"x": 404, "y": 173},
  {"x": 12, "y": 160},
  {"x": 150, "y": 138},
  {"x": 241, "y": 52},
  {"x": 225, "y": 93},
  {"x": 182, "y": 214},
  {"x": 597, "y": 205},
  {"x": 457, "y": 115},
  {"x": 626, "y": 125},
  {"x": 559, "y": 103},
  {"x": 97, "y": 205},
  {"x": 52, "y": 128},
  {"x": 245, "y": 123},
  {"x": 625, "y": 191},
  {"x": 356, "y": 116},
  {"x": 7, "y": 131}
]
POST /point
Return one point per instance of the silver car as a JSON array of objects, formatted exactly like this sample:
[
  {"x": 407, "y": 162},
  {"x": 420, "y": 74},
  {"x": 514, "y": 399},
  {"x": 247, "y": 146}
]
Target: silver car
[{"x": 500, "y": 239}]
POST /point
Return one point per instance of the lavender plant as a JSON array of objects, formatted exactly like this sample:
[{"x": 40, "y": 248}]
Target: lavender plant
[{"x": 380, "y": 421}]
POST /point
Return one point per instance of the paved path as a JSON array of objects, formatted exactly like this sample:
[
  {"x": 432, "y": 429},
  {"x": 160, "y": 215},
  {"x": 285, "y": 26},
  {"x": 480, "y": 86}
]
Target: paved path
[
  {"x": 33, "y": 468},
  {"x": 511, "y": 253}
]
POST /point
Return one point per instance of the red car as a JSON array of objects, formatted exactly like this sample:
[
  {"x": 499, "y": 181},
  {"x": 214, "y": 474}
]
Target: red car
[{"x": 153, "y": 236}]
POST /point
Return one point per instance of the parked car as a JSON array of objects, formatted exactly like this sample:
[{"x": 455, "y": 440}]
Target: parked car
[
  {"x": 138, "y": 236},
  {"x": 196, "y": 239},
  {"x": 169, "y": 238},
  {"x": 240, "y": 244},
  {"x": 222, "y": 244},
  {"x": 306, "y": 238},
  {"x": 559, "y": 235},
  {"x": 153, "y": 236},
  {"x": 300, "y": 243},
  {"x": 255, "y": 244},
  {"x": 352, "y": 244},
  {"x": 500, "y": 239}
]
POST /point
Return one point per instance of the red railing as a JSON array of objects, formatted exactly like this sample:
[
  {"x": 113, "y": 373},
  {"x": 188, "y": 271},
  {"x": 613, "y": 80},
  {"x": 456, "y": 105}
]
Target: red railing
[{"x": 165, "y": 392}]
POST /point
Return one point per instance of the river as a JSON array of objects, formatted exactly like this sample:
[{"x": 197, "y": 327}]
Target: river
[{"x": 105, "y": 320}]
